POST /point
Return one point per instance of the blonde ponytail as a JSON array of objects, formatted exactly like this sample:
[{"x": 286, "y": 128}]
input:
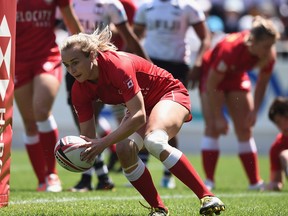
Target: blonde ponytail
[{"x": 97, "y": 41}]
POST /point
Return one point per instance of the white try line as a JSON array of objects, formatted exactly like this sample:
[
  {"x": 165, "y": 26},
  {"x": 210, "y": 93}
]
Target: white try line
[{"x": 123, "y": 198}]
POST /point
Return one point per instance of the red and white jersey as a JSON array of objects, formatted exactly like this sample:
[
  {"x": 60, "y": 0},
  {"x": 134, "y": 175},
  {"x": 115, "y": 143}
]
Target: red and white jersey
[
  {"x": 99, "y": 13},
  {"x": 35, "y": 23},
  {"x": 232, "y": 58},
  {"x": 166, "y": 25},
  {"x": 121, "y": 76},
  {"x": 231, "y": 55}
]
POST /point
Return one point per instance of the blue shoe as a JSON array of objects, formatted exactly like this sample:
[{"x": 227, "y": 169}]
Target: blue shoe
[{"x": 168, "y": 182}]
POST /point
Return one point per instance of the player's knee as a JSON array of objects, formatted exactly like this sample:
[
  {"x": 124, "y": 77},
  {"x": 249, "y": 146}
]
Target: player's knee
[
  {"x": 210, "y": 130},
  {"x": 156, "y": 141},
  {"x": 244, "y": 133},
  {"x": 129, "y": 146},
  {"x": 137, "y": 140},
  {"x": 123, "y": 148}
]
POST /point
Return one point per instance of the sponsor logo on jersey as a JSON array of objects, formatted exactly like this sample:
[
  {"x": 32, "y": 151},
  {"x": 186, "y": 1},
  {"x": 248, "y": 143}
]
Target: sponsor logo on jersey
[{"x": 40, "y": 18}]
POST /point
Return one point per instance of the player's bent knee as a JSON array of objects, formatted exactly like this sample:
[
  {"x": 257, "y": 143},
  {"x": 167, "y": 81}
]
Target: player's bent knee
[
  {"x": 156, "y": 141},
  {"x": 137, "y": 139},
  {"x": 123, "y": 148}
]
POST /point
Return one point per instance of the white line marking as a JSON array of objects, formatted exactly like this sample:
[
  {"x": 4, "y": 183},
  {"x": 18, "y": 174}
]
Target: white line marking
[{"x": 123, "y": 198}]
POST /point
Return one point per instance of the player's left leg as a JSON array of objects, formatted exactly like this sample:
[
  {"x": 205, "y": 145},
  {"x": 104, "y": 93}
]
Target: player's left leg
[
  {"x": 240, "y": 105},
  {"x": 158, "y": 130}
]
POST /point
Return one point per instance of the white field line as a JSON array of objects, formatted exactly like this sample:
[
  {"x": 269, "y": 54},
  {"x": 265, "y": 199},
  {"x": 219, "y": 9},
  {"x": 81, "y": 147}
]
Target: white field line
[{"x": 123, "y": 198}]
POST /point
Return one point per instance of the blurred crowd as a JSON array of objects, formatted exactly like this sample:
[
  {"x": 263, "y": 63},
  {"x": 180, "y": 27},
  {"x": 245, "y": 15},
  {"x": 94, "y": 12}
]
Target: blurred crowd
[
  {"x": 236, "y": 15},
  {"x": 228, "y": 16}
]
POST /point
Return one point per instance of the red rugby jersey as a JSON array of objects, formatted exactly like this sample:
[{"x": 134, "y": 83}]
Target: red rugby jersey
[
  {"x": 35, "y": 23},
  {"x": 121, "y": 76}
]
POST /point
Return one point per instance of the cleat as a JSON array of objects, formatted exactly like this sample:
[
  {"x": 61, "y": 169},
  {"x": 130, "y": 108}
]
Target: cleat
[
  {"x": 209, "y": 184},
  {"x": 211, "y": 205},
  {"x": 53, "y": 183},
  {"x": 41, "y": 187},
  {"x": 259, "y": 186},
  {"x": 168, "y": 182},
  {"x": 105, "y": 185},
  {"x": 217, "y": 212},
  {"x": 84, "y": 185},
  {"x": 158, "y": 212}
]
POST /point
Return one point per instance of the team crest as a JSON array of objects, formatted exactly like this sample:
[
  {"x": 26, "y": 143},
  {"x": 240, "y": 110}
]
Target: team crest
[{"x": 129, "y": 84}]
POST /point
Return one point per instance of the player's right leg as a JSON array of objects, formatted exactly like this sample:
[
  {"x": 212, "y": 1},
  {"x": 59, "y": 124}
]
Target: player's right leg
[
  {"x": 138, "y": 175},
  {"x": 210, "y": 149}
]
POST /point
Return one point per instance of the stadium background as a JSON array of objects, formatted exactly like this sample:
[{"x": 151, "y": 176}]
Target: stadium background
[{"x": 191, "y": 133}]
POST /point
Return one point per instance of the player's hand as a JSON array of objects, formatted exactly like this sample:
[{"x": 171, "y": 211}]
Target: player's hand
[
  {"x": 193, "y": 77},
  {"x": 94, "y": 147},
  {"x": 221, "y": 125}
]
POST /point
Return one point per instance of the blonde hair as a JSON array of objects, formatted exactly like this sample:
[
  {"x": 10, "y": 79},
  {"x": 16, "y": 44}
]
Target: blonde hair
[
  {"x": 99, "y": 40},
  {"x": 263, "y": 28}
]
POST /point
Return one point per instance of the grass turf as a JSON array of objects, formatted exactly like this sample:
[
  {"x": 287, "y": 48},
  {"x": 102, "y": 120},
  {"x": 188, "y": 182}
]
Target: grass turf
[{"x": 231, "y": 188}]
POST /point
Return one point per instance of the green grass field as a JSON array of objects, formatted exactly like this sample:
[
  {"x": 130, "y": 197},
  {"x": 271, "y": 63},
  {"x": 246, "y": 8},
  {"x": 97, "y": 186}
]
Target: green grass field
[{"x": 231, "y": 188}]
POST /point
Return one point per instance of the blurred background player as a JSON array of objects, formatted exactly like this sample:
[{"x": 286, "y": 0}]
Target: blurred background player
[
  {"x": 97, "y": 14},
  {"x": 224, "y": 80},
  {"x": 278, "y": 114},
  {"x": 38, "y": 73},
  {"x": 163, "y": 24}
]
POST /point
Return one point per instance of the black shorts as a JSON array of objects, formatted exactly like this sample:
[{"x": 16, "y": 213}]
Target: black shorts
[
  {"x": 69, "y": 81},
  {"x": 178, "y": 69}
]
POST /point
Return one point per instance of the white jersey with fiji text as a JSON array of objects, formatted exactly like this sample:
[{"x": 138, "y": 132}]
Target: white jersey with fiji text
[
  {"x": 99, "y": 13},
  {"x": 167, "y": 22}
]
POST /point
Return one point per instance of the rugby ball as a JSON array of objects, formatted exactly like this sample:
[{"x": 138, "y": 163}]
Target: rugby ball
[{"x": 67, "y": 153}]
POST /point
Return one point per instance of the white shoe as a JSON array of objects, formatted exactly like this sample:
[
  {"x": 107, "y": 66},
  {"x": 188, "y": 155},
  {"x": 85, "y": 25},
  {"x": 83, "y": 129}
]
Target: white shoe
[
  {"x": 53, "y": 183},
  {"x": 259, "y": 186},
  {"x": 128, "y": 184},
  {"x": 168, "y": 182},
  {"x": 209, "y": 184}
]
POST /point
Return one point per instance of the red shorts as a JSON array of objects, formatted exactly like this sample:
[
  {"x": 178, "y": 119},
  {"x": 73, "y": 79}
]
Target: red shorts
[
  {"x": 231, "y": 82},
  {"x": 26, "y": 71},
  {"x": 179, "y": 95}
]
